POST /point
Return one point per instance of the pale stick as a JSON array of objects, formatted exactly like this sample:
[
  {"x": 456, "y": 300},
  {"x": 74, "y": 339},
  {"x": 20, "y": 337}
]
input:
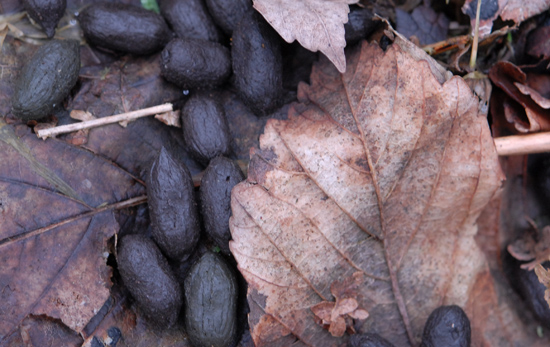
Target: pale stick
[
  {"x": 128, "y": 116},
  {"x": 509, "y": 145},
  {"x": 523, "y": 144}
]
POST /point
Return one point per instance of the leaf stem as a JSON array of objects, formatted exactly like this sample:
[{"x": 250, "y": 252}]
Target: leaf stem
[
  {"x": 473, "y": 57},
  {"x": 128, "y": 116}
]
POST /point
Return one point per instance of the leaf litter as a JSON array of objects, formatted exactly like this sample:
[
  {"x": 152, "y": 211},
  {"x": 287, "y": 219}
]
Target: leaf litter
[
  {"x": 53, "y": 243},
  {"x": 376, "y": 180},
  {"x": 480, "y": 304}
]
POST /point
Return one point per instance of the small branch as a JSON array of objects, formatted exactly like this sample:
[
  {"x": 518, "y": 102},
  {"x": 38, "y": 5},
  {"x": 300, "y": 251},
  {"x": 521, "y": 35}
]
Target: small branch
[
  {"x": 128, "y": 116},
  {"x": 523, "y": 144},
  {"x": 116, "y": 206}
]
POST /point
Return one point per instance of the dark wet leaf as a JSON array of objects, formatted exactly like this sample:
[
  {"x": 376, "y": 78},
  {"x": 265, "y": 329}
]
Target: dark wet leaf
[
  {"x": 127, "y": 85},
  {"x": 120, "y": 314},
  {"x": 424, "y": 23},
  {"x": 538, "y": 42},
  {"x": 53, "y": 245},
  {"x": 43, "y": 331}
]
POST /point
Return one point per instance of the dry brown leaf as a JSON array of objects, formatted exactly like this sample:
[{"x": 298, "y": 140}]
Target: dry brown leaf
[
  {"x": 81, "y": 115},
  {"x": 373, "y": 186},
  {"x": 171, "y": 118},
  {"x": 318, "y": 25}
]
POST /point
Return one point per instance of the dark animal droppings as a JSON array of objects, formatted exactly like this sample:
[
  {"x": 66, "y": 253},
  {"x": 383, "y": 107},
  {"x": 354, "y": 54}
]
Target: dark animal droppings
[
  {"x": 359, "y": 24},
  {"x": 195, "y": 63},
  {"x": 124, "y": 28},
  {"x": 211, "y": 303},
  {"x": 447, "y": 326},
  {"x": 46, "y": 79},
  {"x": 385, "y": 42},
  {"x": 172, "y": 208},
  {"x": 190, "y": 19},
  {"x": 527, "y": 284},
  {"x": 205, "y": 129},
  {"x": 228, "y": 13},
  {"x": 257, "y": 63},
  {"x": 220, "y": 177},
  {"x": 539, "y": 170},
  {"x": 96, "y": 342},
  {"x": 115, "y": 334},
  {"x": 46, "y": 13},
  {"x": 147, "y": 275},
  {"x": 369, "y": 340}
]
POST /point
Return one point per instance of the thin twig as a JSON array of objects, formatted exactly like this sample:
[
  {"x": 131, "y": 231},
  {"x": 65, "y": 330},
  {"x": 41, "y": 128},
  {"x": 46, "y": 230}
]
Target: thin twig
[
  {"x": 509, "y": 145},
  {"x": 128, "y": 116},
  {"x": 523, "y": 144},
  {"x": 473, "y": 57},
  {"x": 116, "y": 206}
]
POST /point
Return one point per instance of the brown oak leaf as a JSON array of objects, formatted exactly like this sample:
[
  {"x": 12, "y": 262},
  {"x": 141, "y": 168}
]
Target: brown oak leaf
[
  {"x": 318, "y": 25},
  {"x": 374, "y": 182}
]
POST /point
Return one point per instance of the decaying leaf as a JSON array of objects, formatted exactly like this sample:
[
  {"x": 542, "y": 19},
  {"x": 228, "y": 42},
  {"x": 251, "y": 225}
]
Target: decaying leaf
[
  {"x": 43, "y": 331},
  {"x": 525, "y": 107},
  {"x": 538, "y": 42},
  {"x": 375, "y": 181},
  {"x": 123, "y": 86},
  {"x": 534, "y": 251},
  {"x": 53, "y": 238},
  {"x": 337, "y": 317},
  {"x": 424, "y": 23},
  {"x": 516, "y": 10},
  {"x": 318, "y": 25},
  {"x": 120, "y": 323}
]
